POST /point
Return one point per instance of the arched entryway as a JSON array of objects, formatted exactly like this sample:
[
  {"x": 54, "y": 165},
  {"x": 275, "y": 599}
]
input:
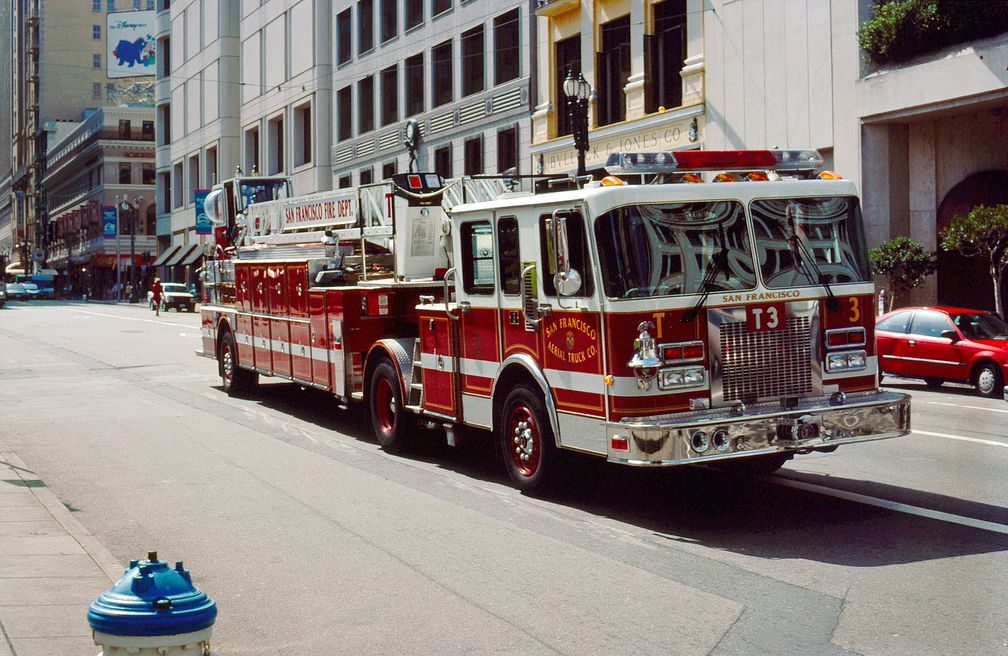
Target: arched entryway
[{"x": 965, "y": 281}]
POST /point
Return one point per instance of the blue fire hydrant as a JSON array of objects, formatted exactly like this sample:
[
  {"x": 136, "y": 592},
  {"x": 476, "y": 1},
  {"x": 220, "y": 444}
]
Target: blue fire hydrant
[{"x": 153, "y": 610}]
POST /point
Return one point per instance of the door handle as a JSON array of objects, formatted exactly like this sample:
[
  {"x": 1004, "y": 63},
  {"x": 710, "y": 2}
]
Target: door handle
[{"x": 912, "y": 342}]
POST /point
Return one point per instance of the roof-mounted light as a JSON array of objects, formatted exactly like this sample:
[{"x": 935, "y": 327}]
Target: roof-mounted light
[{"x": 713, "y": 160}]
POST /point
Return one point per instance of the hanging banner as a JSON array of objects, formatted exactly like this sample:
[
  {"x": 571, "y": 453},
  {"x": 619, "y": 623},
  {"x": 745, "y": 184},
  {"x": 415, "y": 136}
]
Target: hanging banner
[
  {"x": 130, "y": 48},
  {"x": 108, "y": 221},
  {"x": 203, "y": 224}
]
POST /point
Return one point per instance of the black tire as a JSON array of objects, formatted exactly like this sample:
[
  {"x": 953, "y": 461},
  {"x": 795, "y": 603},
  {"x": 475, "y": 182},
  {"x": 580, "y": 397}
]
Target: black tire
[
  {"x": 392, "y": 424},
  {"x": 526, "y": 441},
  {"x": 987, "y": 379},
  {"x": 235, "y": 380},
  {"x": 933, "y": 383},
  {"x": 756, "y": 465}
]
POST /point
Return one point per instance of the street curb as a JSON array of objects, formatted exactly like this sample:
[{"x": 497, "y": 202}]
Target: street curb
[{"x": 91, "y": 545}]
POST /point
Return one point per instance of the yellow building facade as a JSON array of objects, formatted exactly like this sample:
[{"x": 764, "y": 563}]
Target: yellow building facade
[{"x": 644, "y": 60}]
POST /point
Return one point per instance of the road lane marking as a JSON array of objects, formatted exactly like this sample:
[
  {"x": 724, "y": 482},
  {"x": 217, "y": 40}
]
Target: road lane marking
[
  {"x": 890, "y": 505},
  {"x": 971, "y": 407},
  {"x": 961, "y": 437},
  {"x": 116, "y": 316}
]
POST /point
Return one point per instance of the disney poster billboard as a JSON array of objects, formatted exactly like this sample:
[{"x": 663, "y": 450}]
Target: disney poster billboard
[{"x": 130, "y": 47}]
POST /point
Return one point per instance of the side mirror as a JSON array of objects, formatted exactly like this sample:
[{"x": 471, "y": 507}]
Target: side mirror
[
  {"x": 567, "y": 280},
  {"x": 950, "y": 334}
]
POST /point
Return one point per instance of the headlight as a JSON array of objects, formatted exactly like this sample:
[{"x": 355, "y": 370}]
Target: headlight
[
  {"x": 681, "y": 377},
  {"x": 846, "y": 361}
]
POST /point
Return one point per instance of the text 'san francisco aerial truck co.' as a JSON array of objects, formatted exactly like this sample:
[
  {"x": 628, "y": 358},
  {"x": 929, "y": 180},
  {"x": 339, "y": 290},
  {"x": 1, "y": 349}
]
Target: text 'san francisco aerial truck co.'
[{"x": 689, "y": 307}]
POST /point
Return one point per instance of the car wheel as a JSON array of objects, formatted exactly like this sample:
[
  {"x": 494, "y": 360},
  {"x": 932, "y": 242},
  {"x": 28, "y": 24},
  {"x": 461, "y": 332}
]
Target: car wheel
[
  {"x": 391, "y": 422},
  {"x": 235, "y": 380},
  {"x": 525, "y": 438},
  {"x": 987, "y": 379},
  {"x": 933, "y": 383}
]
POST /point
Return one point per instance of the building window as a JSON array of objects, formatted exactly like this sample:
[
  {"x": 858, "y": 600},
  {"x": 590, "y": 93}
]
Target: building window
[
  {"x": 193, "y": 178},
  {"x": 96, "y": 32},
  {"x": 365, "y": 105},
  {"x": 345, "y": 181},
  {"x": 472, "y": 61},
  {"x": 124, "y": 129},
  {"x": 507, "y": 150},
  {"x": 136, "y": 4},
  {"x": 442, "y": 83},
  {"x": 302, "y": 135},
  {"x": 473, "y": 164},
  {"x": 389, "y": 20},
  {"x": 412, "y": 14},
  {"x": 275, "y": 136},
  {"x": 389, "y": 95},
  {"x": 147, "y": 130},
  {"x": 664, "y": 55},
  {"x": 568, "y": 58},
  {"x": 613, "y": 70},
  {"x": 365, "y": 26},
  {"x": 150, "y": 5},
  {"x": 414, "y": 85},
  {"x": 344, "y": 113},
  {"x": 344, "y": 37},
  {"x": 211, "y": 166},
  {"x": 366, "y": 176},
  {"x": 164, "y": 121},
  {"x": 96, "y": 91},
  {"x": 96, "y": 6},
  {"x": 125, "y": 173},
  {"x": 110, "y": 4},
  {"x": 388, "y": 169},
  {"x": 147, "y": 174},
  {"x": 110, "y": 92},
  {"x": 443, "y": 162},
  {"x": 440, "y": 6},
  {"x": 165, "y": 188},
  {"x": 163, "y": 57},
  {"x": 96, "y": 60},
  {"x": 507, "y": 52},
  {"x": 252, "y": 150}
]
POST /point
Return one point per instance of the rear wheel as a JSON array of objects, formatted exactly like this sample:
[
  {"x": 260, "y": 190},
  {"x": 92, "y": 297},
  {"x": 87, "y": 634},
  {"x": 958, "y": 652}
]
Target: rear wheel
[
  {"x": 391, "y": 422},
  {"x": 527, "y": 442},
  {"x": 987, "y": 379},
  {"x": 236, "y": 381},
  {"x": 933, "y": 383}
]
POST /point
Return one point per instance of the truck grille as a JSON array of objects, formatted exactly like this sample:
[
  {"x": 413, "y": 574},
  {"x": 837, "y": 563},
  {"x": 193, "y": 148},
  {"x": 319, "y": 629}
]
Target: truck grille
[{"x": 768, "y": 363}]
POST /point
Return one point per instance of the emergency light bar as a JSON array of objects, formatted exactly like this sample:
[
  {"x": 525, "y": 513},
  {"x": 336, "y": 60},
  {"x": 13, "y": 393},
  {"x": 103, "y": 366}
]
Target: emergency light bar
[{"x": 713, "y": 160}]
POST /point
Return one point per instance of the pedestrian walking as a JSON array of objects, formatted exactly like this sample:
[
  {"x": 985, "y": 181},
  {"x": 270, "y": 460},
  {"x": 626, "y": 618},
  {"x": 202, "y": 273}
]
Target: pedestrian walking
[
  {"x": 156, "y": 296},
  {"x": 129, "y": 292}
]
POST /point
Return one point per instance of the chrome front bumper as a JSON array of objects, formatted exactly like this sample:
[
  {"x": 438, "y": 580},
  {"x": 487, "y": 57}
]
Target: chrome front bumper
[{"x": 813, "y": 423}]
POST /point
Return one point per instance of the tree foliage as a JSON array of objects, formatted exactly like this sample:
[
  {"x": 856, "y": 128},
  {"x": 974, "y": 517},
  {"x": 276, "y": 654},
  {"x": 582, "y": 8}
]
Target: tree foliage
[
  {"x": 904, "y": 263},
  {"x": 903, "y": 29},
  {"x": 982, "y": 232}
]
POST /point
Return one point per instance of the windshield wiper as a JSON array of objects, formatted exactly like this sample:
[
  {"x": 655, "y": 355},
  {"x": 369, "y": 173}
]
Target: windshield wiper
[
  {"x": 718, "y": 263},
  {"x": 804, "y": 259}
]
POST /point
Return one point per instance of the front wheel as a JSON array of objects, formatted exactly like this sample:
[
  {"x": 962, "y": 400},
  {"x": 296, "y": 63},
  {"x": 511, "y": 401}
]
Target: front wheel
[
  {"x": 526, "y": 440},
  {"x": 391, "y": 422},
  {"x": 235, "y": 380},
  {"x": 987, "y": 380}
]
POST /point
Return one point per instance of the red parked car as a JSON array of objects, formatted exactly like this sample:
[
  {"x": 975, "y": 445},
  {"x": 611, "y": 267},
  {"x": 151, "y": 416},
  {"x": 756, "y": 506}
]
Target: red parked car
[{"x": 940, "y": 344}]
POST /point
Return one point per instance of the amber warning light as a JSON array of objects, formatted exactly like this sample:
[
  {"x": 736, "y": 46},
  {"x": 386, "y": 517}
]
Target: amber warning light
[{"x": 713, "y": 160}]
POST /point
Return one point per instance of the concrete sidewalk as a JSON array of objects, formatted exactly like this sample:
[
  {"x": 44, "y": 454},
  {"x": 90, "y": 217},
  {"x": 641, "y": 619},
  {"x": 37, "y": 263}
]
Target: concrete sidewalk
[{"x": 51, "y": 569}]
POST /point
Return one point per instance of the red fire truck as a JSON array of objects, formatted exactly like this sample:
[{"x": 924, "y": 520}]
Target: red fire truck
[{"x": 690, "y": 307}]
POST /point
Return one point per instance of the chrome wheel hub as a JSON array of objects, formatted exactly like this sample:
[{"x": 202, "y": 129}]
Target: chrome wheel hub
[
  {"x": 524, "y": 440},
  {"x": 985, "y": 381}
]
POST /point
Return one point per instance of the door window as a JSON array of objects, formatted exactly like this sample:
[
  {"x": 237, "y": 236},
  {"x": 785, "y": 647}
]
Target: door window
[
  {"x": 578, "y": 247},
  {"x": 896, "y": 323},
  {"x": 477, "y": 258},
  {"x": 508, "y": 256},
  {"x": 929, "y": 324}
]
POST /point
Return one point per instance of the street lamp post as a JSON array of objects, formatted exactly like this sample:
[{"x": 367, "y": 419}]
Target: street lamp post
[
  {"x": 134, "y": 209},
  {"x": 578, "y": 93},
  {"x": 118, "y": 259}
]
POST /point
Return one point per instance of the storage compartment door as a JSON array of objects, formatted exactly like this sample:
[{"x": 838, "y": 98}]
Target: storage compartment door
[
  {"x": 438, "y": 363},
  {"x": 301, "y": 361},
  {"x": 260, "y": 324},
  {"x": 319, "y": 340}
]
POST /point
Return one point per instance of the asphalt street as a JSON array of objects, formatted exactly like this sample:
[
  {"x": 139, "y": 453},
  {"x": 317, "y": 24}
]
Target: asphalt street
[{"x": 314, "y": 541}]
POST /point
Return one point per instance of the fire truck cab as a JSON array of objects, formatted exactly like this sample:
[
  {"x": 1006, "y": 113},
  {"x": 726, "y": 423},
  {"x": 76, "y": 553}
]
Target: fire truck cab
[{"x": 721, "y": 312}]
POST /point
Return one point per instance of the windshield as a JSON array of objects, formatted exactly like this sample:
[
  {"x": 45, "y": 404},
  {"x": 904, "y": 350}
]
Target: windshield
[
  {"x": 981, "y": 326},
  {"x": 260, "y": 190},
  {"x": 662, "y": 250},
  {"x": 829, "y": 228},
  {"x": 174, "y": 287}
]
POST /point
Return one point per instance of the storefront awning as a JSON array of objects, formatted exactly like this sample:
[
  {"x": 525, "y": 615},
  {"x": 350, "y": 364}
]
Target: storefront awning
[
  {"x": 172, "y": 250},
  {"x": 177, "y": 257},
  {"x": 195, "y": 254}
]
